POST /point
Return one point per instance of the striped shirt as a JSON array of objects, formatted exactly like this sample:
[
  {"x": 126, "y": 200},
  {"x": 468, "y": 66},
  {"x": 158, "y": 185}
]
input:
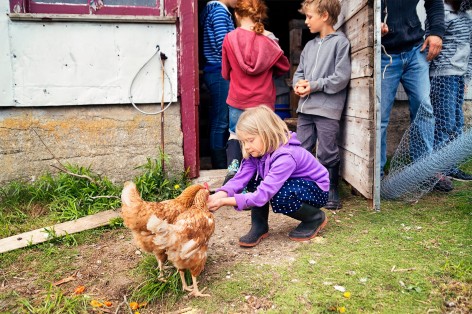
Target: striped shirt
[
  {"x": 216, "y": 22},
  {"x": 456, "y": 56}
]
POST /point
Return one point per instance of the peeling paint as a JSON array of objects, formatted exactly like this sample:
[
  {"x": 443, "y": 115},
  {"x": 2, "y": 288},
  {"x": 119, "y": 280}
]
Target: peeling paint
[{"x": 114, "y": 140}]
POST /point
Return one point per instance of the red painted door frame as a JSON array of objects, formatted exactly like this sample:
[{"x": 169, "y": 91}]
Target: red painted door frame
[{"x": 187, "y": 27}]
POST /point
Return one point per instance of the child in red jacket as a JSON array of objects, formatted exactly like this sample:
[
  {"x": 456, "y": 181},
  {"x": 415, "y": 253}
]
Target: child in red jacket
[{"x": 250, "y": 58}]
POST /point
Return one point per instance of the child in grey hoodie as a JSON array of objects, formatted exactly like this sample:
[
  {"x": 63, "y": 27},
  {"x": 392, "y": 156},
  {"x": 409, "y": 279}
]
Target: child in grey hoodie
[{"x": 321, "y": 82}]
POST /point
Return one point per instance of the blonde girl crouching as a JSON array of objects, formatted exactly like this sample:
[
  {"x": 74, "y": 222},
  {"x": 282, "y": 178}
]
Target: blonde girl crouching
[{"x": 276, "y": 170}]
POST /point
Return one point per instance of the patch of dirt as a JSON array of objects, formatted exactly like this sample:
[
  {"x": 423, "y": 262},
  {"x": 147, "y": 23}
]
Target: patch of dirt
[{"x": 106, "y": 268}]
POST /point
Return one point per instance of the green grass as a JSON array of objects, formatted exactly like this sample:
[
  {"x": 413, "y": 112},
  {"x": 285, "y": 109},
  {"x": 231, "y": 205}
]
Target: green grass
[
  {"x": 403, "y": 259},
  {"x": 406, "y": 258}
]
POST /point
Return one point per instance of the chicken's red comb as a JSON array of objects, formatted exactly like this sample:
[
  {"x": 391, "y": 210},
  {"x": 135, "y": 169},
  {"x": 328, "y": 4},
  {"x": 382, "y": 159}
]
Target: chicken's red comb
[{"x": 206, "y": 185}]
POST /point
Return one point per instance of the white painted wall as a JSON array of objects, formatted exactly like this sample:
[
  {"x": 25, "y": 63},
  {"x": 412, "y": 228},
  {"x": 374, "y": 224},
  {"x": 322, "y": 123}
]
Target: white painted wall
[
  {"x": 84, "y": 63},
  {"x": 6, "y": 77}
]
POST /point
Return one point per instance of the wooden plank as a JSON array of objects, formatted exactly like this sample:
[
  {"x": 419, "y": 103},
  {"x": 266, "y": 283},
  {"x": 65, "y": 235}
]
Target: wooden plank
[
  {"x": 295, "y": 40},
  {"x": 360, "y": 29},
  {"x": 70, "y": 227},
  {"x": 358, "y": 172},
  {"x": 360, "y": 99},
  {"x": 357, "y": 136},
  {"x": 92, "y": 18},
  {"x": 348, "y": 9},
  {"x": 362, "y": 63}
]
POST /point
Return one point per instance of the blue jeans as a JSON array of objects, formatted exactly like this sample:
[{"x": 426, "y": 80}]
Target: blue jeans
[
  {"x": 447, "y": 98},
  {"x": 218, "y": 113},
  {"x": 234, "y": 114},
  {"x": 412, "y": 70}
]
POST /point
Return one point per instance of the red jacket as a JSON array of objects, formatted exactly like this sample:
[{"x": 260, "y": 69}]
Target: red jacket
[{"x": 249, "y": 62}]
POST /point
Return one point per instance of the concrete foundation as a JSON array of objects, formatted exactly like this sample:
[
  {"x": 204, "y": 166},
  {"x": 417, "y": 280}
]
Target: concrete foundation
[{"x": 113, "y": 140}]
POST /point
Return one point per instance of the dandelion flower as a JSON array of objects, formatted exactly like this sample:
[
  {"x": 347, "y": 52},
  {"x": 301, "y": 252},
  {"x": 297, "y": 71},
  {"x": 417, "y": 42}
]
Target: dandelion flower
[
  {"x": 342, "y": 309},
  {"x": 347, "y": 294},
  {"x": 95, "y": 303},
  {"x": 176, "y": 187}
]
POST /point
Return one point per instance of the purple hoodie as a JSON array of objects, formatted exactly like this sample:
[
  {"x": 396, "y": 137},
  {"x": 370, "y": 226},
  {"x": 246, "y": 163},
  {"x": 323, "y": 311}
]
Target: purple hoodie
[{"x": 289, "y": 161}]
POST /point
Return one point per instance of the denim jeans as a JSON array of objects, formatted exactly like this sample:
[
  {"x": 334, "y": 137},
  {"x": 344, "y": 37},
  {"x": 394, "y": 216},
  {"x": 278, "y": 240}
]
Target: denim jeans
[
  {"x": 447, "y": 98},
  {"x": 234, "y": 114},
  {"x": 218, "y": 113},
  {"x": 412, "y": 70}
]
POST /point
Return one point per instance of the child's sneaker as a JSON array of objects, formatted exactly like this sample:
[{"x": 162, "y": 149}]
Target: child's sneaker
[
  {"x": 232, "y": 169},
  {"x": 460, "y": 175}
]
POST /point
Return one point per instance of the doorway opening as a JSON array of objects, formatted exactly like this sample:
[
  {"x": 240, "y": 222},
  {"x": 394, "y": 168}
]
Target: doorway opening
[{"x": 280, "y": 13}]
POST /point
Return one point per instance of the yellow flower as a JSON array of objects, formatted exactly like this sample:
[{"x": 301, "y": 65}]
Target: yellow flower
[
  {"x": 134, "y": 305},
  {"x": 176, "y": 187},
  {"x": 347, "y": 294},
  {"x": 342, "y": 309},
  {"x": 95, "y": 303}
]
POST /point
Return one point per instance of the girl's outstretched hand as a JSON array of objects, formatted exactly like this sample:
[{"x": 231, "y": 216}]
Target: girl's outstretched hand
[{"x": 215, "y": 200}]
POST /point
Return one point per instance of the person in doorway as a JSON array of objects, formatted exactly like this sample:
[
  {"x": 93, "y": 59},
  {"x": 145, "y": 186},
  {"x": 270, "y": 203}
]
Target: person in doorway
[
  {"x": 405, "y": 57},
  {"x": 251, "y": 57},
  {"x": 216, "y": 21},
  {"x": 321, "y": 81},
  {"x": 451, "y": 72},
  {"x": 282, "y": 172}
]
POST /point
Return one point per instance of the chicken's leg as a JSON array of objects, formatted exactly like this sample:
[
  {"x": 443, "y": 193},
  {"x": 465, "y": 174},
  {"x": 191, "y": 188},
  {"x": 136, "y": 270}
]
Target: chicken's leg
[
  {"x": 184, "y": 284},
  {"x": 161, "y": 271},
  {"x": 195, "y": 292}
]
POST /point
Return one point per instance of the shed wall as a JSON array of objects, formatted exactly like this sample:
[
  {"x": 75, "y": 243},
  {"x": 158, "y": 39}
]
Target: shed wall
[{"x": 113, "y": 140}]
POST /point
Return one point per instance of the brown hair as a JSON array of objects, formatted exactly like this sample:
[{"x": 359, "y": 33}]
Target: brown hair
[
  {"x": 332, "y": 7},
  {"x": 256, "y": 10}
]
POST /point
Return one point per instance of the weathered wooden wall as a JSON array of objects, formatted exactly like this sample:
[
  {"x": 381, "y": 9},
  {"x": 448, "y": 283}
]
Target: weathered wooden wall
[{"x": 357, "y": 138}]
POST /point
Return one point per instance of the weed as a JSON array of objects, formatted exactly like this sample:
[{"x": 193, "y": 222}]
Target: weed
[
  {"x": 156, "y": 185},
  {"x": 152, "y": 289},
  {"x": 54, "y": 301}
]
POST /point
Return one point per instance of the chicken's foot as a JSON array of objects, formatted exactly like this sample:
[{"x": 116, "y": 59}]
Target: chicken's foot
[{"x": 195, "y": 292}]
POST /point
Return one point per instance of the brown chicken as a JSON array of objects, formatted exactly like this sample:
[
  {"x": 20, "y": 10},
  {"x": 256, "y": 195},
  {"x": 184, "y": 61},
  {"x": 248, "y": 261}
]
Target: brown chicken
[
  {"x": 136, "y": 213},
  {"x": 186, "y": 240}
]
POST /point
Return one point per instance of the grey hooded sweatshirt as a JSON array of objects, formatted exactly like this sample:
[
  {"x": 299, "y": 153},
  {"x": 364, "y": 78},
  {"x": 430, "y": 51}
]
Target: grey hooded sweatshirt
[{"x": 326, "y": 64}]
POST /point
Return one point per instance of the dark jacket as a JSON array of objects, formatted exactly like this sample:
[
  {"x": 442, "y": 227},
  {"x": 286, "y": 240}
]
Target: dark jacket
[{"x": 404, "y": 26}]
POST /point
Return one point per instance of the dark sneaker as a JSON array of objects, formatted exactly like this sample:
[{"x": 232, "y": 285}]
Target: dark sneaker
[
  {"x": 460, "y": 175},
  {"x": 444, "y": 185}
]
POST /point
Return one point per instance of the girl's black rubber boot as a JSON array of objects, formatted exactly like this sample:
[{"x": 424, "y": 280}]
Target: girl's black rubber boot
[
  {"x": 259, "y": 227},
  {"x": 312, "y": 221}
]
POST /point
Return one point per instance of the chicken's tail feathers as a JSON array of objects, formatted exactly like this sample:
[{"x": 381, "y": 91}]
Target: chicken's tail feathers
[
  {"x": 160, "y": 228},
  {"x": 130, "y": 194}
]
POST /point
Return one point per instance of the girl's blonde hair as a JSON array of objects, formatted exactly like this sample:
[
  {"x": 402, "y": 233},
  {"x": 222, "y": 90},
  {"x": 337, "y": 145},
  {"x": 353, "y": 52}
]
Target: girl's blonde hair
[
  {"x": 332, "y": 7},
  {"x": 256, "y": 10},
  {"x": 264, "y": 122}
]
